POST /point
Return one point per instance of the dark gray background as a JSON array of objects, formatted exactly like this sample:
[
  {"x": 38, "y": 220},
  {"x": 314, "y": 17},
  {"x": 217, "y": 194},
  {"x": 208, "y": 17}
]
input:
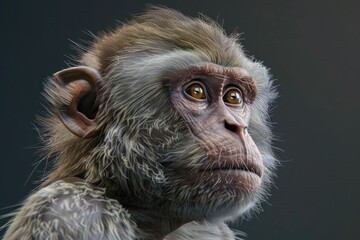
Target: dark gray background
[{"x": 312, "y": 48}]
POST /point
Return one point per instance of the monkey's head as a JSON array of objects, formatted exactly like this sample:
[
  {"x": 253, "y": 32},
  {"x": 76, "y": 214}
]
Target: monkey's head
[{"x": 166, "y": 111}]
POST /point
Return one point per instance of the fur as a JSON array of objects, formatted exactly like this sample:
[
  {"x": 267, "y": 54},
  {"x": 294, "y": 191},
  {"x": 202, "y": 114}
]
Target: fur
[{"x": 137, "y": 137}]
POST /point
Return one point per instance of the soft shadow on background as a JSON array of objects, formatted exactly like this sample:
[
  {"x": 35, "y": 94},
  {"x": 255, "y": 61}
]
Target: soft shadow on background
[{"x": 312, "y": 48}]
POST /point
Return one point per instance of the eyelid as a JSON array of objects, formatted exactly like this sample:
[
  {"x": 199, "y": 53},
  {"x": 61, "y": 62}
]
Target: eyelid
[
  {"x": 229, "y": 87},
  {"x": 247, "y": 88}
]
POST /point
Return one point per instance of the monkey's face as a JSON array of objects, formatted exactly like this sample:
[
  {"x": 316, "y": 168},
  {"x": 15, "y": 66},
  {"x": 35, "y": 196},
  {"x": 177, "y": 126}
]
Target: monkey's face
[
  {"x": 214, "y": 103},
  {"x": 184, "y": 121}
]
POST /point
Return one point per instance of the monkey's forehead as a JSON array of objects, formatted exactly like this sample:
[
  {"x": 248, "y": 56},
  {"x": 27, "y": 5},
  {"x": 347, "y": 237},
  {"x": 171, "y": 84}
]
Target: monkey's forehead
[{"x": 161, "y": 29}]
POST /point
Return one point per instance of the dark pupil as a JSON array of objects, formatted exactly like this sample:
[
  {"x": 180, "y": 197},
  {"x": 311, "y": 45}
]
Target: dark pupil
[
  {"x": 234, "y": 95},
  {"x": 197, "y": 90}
]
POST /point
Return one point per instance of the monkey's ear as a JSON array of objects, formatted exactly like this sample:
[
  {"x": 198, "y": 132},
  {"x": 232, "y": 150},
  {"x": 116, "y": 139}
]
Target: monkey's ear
[{"x": 80, "y": 114}]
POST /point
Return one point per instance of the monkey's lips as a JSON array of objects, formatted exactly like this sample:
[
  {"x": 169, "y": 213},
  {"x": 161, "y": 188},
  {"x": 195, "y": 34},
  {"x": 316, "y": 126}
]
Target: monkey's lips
[
  {"x": 251, "y": 168},
  {"x": 245, "y": 176},
  {"x": 228, "y": 164}
]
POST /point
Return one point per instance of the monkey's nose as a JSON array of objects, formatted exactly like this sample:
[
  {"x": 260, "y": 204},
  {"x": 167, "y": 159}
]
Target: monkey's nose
[{"x": 234, "y": 127}]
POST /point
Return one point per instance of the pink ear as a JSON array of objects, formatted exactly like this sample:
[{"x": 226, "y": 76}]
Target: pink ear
[{"x": 80, "y": 116}]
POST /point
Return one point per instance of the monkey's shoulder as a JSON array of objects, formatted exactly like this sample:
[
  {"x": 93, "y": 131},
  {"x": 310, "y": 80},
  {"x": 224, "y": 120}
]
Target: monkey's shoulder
[{"x": 75, "y": 210}]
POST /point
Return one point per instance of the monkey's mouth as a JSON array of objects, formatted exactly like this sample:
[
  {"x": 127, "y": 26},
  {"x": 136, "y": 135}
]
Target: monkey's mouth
[
  {"x": 244, "y": 177},
  {"x": 249, "y": 168}
]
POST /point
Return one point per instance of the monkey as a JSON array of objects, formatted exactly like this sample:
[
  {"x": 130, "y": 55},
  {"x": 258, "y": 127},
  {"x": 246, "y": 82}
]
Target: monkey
[{"x": 160, "y": 130}]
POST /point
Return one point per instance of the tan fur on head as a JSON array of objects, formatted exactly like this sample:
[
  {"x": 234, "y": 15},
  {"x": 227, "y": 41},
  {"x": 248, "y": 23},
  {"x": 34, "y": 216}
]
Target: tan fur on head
[
  {"x": 135, "y": 57},
  {"x": 167, "y": 26}
]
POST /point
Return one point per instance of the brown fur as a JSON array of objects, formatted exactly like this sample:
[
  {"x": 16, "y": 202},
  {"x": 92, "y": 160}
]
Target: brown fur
[
  {"x": 205, "y": 38},
  {"x": 166, "y": 25}
]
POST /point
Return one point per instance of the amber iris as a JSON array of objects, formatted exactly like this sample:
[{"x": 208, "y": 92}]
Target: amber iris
[
  {"x": 233, "y": 96},
  {"x": 196, "y": 90}
]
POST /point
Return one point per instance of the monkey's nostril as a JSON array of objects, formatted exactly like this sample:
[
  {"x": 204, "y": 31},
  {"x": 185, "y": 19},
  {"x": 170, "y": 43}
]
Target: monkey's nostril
[{"x": 231, "y": 127}]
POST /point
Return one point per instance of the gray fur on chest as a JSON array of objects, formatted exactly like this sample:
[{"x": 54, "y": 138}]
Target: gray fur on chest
[{"x": 79, "y": 211}]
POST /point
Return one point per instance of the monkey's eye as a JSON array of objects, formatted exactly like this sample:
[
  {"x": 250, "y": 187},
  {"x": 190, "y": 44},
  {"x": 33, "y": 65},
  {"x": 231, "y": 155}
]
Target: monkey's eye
[
  {"x": 233, "y": 96},
  {"x": 196, "y": 90}
]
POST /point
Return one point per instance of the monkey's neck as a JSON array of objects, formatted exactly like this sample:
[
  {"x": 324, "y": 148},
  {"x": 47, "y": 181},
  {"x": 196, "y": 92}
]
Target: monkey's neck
[
  {"x": 148, "y": 214},
  {"x": 154, "y": 224}
]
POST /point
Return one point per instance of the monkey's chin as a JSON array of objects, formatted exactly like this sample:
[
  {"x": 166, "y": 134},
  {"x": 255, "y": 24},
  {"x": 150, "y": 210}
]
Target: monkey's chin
[
  {"x": 226, "y": 179},
  {"x": 241, "y": 180},
  {"x": 220, "y": 193}
]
